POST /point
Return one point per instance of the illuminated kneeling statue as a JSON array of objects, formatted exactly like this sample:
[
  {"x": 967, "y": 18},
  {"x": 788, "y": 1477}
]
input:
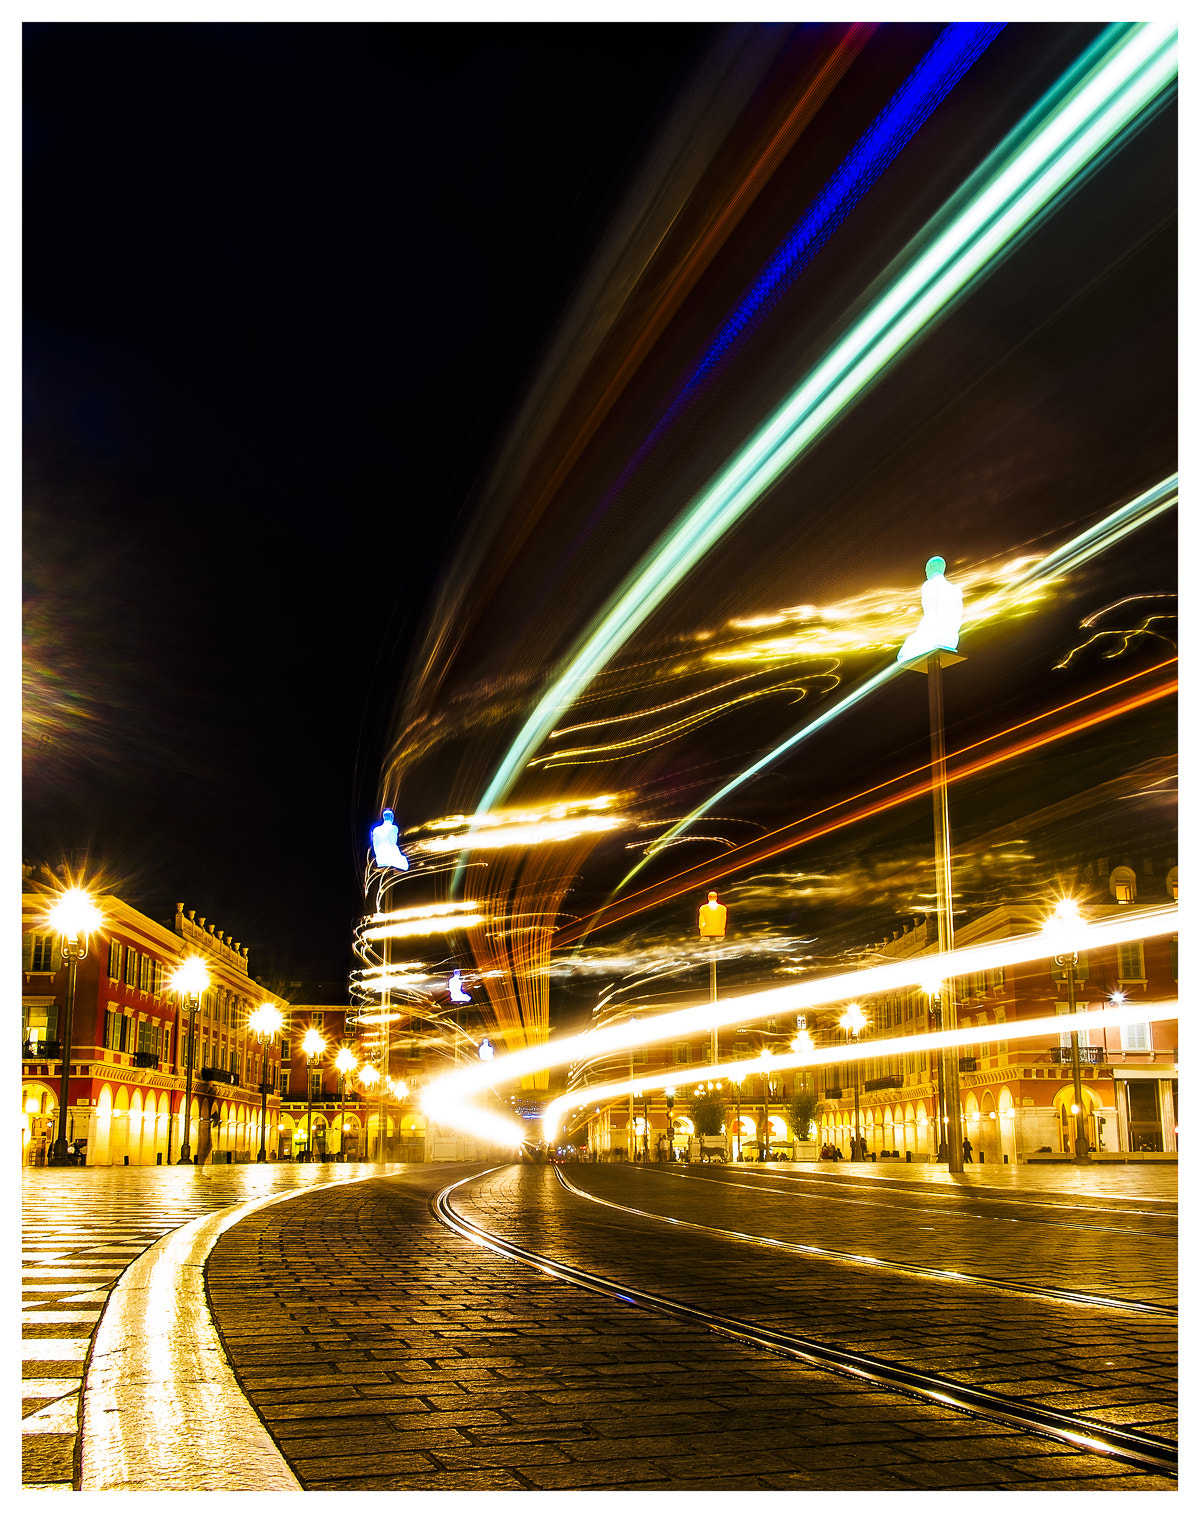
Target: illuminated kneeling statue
[
  {"x": 385, "y": 842},
  {"x": 941, "y": 615}
]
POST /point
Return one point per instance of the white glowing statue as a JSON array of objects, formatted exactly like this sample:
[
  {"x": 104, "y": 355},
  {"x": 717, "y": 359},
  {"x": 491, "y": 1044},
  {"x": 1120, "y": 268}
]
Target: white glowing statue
[
  {"x": 486, "y": 1050},
  {"x": 941, "y": 615},
  {"x": 385, "y": 842},
  {"x": 457, "y": 992}
]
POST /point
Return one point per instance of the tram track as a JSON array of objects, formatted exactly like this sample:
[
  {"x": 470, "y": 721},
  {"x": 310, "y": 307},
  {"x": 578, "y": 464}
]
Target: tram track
[
  {"x": 1147, "y": 1452},
  {"x": 940, "y": 1203},
  {"x": 911, "y": 1268}
]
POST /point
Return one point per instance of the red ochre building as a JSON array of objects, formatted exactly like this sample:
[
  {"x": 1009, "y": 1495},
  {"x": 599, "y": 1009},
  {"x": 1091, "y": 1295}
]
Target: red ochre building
[
  {"x": 1015, "y": 1095},
  {"x": 129, "y": 1041},
  {"x": 420, "y": 1047}
]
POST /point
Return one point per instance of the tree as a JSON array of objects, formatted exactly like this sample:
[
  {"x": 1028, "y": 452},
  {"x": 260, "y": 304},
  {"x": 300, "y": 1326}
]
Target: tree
[
  {"x": 802, "y": 1110},
  {"x": 708, "y": 1112}
]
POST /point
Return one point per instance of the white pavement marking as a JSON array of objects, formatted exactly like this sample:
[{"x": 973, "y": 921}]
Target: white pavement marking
[
  {"x": 162, "y": 1410},
  {"x": 60, "y": 1315},
  {"x": 54, "y": 1350},
  {"x": 55, "y": 1418},
  {"x": 49, "y": 1386}
]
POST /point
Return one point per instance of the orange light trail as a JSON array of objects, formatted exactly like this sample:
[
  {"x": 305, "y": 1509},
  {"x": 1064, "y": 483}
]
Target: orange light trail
[{"x": 764, "y": 847}]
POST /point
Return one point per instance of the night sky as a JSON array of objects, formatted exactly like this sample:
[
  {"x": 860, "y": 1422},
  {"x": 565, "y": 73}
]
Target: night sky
[
  {"x": 283, "y": 285},
  {"x": 327, "y": 465}
]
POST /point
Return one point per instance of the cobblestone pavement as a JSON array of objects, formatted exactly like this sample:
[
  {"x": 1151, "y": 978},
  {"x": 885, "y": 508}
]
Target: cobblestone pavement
[
  {"x": 80, "y": 1229},
  {"x": 1116, "y": 1367},
  {"x": 382, "y": 1351}
]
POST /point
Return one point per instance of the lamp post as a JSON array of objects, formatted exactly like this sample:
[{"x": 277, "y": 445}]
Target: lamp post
[
  {"x": 764, "y": 1145},
  {"x": 266, "y": 1022},
  {"x": 313, "y": 1046},
  {"x": 368, "y": 1076},
  {"x": 737, "y": 1082},
  {"x": 1067, "y": 913},
  {"x": 189, "y": 980},
  {"x": 853, "y": 1021},
  {"x": 932, "y": 646},
  {"x": 713, "y": 918},
  {"x": 73, "y": 918},
  {"x": 345, "y": 1063},
  {"x": 933, "y": 990},
  {"x": 645, "y": 1128},
  {"x": 670, "y": 1092}
]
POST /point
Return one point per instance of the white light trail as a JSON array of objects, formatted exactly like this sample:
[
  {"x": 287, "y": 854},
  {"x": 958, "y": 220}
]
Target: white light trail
[
  {"x": 443, "y": 1094},
  {"x": 427, "y": 919},
  {"x": 1108, "y": 1017}
]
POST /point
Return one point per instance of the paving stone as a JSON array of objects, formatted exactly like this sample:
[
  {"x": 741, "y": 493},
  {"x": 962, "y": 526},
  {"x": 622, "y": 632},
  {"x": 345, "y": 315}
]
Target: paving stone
[{"x": 537, "y": 1384}]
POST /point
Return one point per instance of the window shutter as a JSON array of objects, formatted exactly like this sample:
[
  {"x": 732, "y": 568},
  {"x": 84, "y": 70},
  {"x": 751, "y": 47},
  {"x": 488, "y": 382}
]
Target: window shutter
[{"x": 27, "y": 952}]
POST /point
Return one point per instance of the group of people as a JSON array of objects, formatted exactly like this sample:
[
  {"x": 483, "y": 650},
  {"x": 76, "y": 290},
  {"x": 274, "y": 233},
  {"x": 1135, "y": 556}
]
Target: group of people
[{"x": 830, "y": 1152}]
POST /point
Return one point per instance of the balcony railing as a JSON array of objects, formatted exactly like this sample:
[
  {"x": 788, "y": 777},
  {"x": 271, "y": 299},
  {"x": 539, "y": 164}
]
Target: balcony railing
[
  {"x": 968, "y": 1064},
  {"x": 317, "y": 1098},
  {"x": 218, "y": 1074},
  {"x": 146, "y": 1058},
  {"x": 831, "y": 1093},
  {"x": 40, "y": 1050},
  {"x": 873, "y": 1084},
  {"x": 1092, "y": 1055}
]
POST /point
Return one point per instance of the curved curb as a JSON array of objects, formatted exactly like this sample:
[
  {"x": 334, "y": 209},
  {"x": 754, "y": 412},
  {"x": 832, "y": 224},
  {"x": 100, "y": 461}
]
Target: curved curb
[{"x": 162, "y": 1410}]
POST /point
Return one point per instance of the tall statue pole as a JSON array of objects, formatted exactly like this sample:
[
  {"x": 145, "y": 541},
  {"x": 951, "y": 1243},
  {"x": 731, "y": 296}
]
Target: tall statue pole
[
  {"x": 712, "y": 920},
  {"x": 932, "y": 646}
]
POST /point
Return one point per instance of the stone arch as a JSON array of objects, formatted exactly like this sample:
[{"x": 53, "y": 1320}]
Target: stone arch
[
  {"x": 135, "y": 1128},
  {"x": 118, "y": 1140},
  {"x": 103, "y": 1128},
  {"x": 988, "y": 1142},
  {"x": 1092, "y": 1106}
]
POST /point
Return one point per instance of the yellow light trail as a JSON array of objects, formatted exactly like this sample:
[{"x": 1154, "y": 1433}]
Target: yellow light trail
[
  {"x": 1108, "y": 1017},
  {"x": 443, "y": 1095}
]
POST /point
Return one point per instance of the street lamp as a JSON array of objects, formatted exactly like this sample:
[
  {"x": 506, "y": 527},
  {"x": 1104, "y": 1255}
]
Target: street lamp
[
  {"x": 764, "y": 1145},
  {"x": 670, "y": 1092},
  {"x": 853, "y": 1022},
  {"x": 933, "y": 991},
  {"x": 930, "y": 648},
  {"x": 189, "y": 980},
  {"x": 713, "y": 918},
  {"x": 72, "y": 918},
  {"x": 1066, "y": 913},
  {"x": 313, "y": 1046},
  {"x": 737, "y": 1082},
  {"x": 368, "y": 1076},
  {"x": 345, "y": 1063},
  {"x": 266, "y": 1022}
]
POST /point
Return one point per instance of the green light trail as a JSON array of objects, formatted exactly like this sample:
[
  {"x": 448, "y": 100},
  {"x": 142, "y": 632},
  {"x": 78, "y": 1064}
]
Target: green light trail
[
  {"x": 1126, "y": 70},
  {"x": 1080, "y": 549}
]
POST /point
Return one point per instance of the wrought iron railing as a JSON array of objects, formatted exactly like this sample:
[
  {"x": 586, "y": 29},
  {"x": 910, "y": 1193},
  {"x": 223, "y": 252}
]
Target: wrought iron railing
[
  {"x": 39, "y": 1050},
  {"x": 1092, "y": 1055}
]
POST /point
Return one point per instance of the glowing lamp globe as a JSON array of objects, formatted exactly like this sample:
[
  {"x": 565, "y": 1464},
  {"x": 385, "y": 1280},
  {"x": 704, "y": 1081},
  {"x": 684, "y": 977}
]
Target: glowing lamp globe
[
  {"x": 344, "y": 1061},
  {"x": 190, "y": 978},
  {"x": 853, "y": 1019},
  {"x": 313, "y": 1043},
  {"x": 74, "y": 914},
  {"x": 266, "y": 1021},
  {"x": 368, "y": 1075}
]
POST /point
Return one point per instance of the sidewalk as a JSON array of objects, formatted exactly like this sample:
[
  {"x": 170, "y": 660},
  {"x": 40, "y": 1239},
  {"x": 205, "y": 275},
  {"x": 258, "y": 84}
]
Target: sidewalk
[{"x": 1141, "y": 1183}]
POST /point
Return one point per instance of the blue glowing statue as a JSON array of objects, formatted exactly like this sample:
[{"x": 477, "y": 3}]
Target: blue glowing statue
[
  {"x": 941, "y": 615},
  {"x": 385, "y": 842},
  {"x": 457, "y": 993}
]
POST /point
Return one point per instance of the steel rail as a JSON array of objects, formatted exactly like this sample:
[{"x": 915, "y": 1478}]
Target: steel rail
[
  {"x": 1144, "y": 1451},
  {"x": 913, "y": 1268},
  {"x": 948, "y": 1206}
]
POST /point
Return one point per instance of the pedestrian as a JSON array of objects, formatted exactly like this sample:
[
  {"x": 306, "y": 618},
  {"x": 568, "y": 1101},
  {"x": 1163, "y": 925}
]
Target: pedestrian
[{"x": 967, "y": 1148}]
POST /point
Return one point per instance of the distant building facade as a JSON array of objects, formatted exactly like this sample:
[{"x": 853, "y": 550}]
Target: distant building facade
[{"x": 129, "y": 1041}]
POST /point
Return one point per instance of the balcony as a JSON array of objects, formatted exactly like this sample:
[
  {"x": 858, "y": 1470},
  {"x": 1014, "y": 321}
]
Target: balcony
[
  {"x": 217, "y": 1074},
  {"x": 831, "y": 1093},
  {"x": 146, "y": 1059},
  {"x": 1089, "y": 1055},
  {"x": 40, "y": 1050},
  {"x": 968, "y": 1064},
  {"x": 873, "y": 1084}
]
